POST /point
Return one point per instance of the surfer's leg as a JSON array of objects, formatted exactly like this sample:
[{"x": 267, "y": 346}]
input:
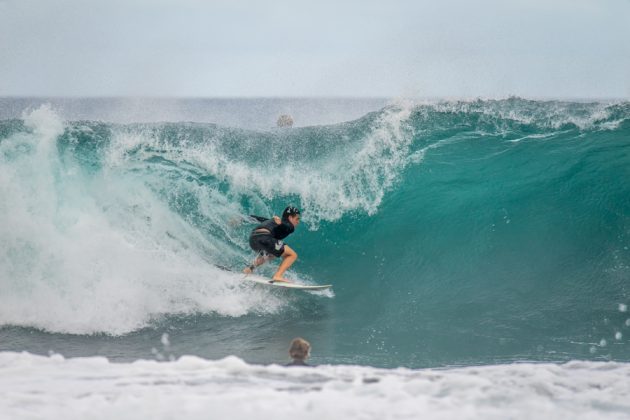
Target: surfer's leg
[
  {"x": 260, "y": 259},
  {"x": 288, "y": 258},
  {"x": 261, "y": 244}
]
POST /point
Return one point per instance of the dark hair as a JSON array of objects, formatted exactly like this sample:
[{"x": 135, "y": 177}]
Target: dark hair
[{"x": 290, "y": 211}]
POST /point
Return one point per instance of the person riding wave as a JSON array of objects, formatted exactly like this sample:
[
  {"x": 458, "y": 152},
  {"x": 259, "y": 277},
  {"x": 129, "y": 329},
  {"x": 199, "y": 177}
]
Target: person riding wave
[{"x": 267, "y": 240}]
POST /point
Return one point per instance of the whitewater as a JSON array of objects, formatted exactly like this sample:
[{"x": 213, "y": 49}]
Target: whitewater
[
  {"x": 478, "y": 251},
  {"x": 46, "y": 387}
]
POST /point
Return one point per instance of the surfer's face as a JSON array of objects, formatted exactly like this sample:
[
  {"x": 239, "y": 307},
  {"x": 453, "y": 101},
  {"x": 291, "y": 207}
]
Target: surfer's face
[{"x": 295, "y": 220}]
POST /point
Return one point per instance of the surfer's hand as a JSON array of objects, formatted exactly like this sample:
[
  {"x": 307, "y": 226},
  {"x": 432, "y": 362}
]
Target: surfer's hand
[{"x": 277, "y": 220}]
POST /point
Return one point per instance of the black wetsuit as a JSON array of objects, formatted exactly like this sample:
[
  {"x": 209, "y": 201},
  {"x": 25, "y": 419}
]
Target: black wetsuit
[{"x": 266, "y": 238}]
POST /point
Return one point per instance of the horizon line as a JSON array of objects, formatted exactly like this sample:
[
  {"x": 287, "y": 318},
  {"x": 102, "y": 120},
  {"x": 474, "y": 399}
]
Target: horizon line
[{"x": 326, "y": 97}]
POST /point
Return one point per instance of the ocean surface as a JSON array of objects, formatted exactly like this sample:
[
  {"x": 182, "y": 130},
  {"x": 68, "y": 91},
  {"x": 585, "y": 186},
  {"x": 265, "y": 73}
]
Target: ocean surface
[{"x": 478, "y": 245}]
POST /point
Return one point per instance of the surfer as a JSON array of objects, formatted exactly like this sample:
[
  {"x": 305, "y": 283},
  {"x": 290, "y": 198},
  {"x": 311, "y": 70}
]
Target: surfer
[{"x": 267, "y": 240}]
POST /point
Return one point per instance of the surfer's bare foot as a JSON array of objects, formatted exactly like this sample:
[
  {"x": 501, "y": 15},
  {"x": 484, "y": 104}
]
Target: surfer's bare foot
[
  {"x": 248, "y": 270},
  {"x": 280, "y": 279}
]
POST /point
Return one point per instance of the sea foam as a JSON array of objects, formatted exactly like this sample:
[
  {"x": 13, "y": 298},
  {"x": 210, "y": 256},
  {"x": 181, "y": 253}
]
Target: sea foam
[
  {"x": 87, "y": 253},
  {"x": 194, "y": 388}
]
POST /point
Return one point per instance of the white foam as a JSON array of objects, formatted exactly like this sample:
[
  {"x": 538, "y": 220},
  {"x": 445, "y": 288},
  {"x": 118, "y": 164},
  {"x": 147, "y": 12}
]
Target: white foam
[
  {"x": 547, "y": 114},
  {"x": 84, "y": 253},
  {"x": 193, "y": 388},
  {"x": 356, "y": 178}
]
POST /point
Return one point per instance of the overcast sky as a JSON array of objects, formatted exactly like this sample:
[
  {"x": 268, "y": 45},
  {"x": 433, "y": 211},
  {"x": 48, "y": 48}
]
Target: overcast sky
[{"x": 446, "y": 48}]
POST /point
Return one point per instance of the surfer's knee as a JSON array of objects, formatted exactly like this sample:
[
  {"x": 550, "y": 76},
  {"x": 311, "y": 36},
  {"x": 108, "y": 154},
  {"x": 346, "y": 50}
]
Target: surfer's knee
[{"x": 289, "y": 253}]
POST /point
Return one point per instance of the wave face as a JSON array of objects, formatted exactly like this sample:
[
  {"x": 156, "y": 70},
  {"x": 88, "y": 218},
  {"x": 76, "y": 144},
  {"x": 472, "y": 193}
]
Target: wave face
[{"x": 452, "y": 232}]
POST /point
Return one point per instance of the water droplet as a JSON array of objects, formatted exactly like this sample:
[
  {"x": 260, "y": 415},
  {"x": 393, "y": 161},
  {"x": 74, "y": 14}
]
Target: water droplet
[
  {"x": 618, "y": 335},
  {"x": 623, "y": 307},
  {"x": 593, "y": 349},
  {"x": 165, "y": 341},
  {"x": 603, "y": 342}
]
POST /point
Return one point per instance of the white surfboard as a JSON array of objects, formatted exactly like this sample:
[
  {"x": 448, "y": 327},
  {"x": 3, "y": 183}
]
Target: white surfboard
[{"x": 268, "y": 282}]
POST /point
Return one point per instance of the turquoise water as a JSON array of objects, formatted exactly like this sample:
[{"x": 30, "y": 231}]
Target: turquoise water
[{"x": 454, "y": 233}]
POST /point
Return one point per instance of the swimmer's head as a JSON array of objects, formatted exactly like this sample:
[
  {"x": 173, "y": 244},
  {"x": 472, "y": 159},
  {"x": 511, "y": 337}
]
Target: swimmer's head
[{"x": 299, "y": 349}]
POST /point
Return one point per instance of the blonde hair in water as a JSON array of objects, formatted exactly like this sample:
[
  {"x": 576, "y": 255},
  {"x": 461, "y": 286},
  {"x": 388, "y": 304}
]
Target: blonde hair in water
[{"x": 299, "y": 349}]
